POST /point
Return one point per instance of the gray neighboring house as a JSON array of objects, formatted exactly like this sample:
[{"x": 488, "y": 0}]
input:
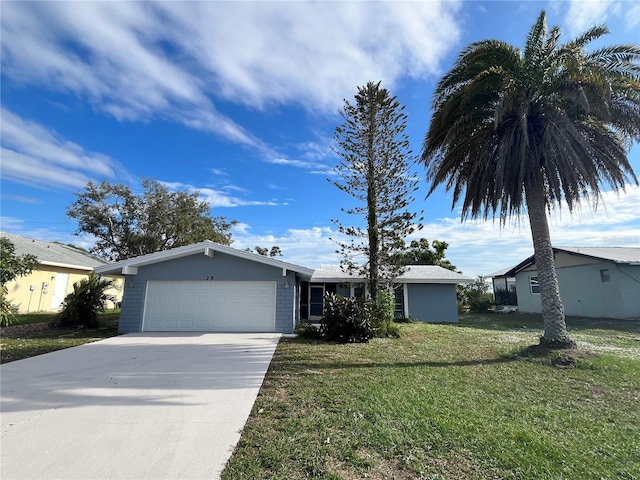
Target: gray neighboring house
[
  {"x": 594, "y": 282},
  {"x": 211, "y": 287}
]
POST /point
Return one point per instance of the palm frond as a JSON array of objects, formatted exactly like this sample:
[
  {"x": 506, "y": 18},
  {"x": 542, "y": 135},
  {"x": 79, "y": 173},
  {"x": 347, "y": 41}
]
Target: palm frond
[
  {"x": 589, "y": 35},
  {"x": 535, "y": 43}
]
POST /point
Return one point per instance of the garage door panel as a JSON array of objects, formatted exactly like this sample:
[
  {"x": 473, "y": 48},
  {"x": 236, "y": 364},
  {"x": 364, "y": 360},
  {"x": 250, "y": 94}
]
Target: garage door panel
[{"x": 210, "y": 306}]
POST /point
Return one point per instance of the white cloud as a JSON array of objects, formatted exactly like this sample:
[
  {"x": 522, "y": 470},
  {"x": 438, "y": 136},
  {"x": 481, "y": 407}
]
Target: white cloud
[
  {"x": 39, "y": 156},
  {"x": 18, "y": 227},
  {"x": 219, "y": 197},
  {"x": 476, "y": 247},
  {"x": 292, "y": 163},
  {"x": 311, "y": 53},
  {"x": 584, "y": 14},
  {"x": 22, "y": 199},
  {"x": 142, "y": 60},
  {"x": 633, "y": 18},
  {"x": 307, "y": 247}
]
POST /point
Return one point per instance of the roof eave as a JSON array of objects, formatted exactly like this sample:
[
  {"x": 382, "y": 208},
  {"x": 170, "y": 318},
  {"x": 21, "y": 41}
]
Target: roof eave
[
  {"x": 202, "y": 247},
  {"x": 66, "y": 265}
]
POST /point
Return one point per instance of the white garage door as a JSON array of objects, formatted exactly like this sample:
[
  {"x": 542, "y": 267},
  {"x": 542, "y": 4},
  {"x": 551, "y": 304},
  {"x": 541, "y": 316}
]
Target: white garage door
[{"x": 209, "y": 306}]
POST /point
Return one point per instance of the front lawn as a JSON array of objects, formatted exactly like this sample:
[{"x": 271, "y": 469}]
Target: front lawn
[
  {"x": 29, "y": 344},
  {"x": 448, "y": 402},
  {"x": 48, "y": 317}
]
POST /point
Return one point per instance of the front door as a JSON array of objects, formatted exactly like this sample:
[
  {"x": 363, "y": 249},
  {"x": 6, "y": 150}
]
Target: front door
[
  {"x": 59, "y": 290},
  {"x": 316, "y": 301}
]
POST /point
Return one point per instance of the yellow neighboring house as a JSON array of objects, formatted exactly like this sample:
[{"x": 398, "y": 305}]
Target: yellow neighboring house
[{"x": 60, "y": 267}]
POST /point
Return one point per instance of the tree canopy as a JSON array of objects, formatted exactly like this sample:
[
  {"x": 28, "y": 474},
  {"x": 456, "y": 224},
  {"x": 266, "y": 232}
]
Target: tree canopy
[
  {"x": 523, "y": 131},
  {"x": 13, "y": 266},
  {"x": 420, "y": 252},
  {"x": 374, "y": 170},
  {"x": 126, "y": 225},
  {"x": 274, "y": 252}
]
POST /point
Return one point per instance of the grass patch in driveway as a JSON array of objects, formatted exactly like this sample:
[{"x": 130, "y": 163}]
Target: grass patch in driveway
[
  {"x": 447, "y": 402},
  {"x": 30, "y": 344}
]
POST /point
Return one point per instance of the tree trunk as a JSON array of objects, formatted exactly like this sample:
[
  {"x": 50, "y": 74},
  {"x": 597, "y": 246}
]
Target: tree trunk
[
  {"x": 372, "y": 198},
  {"x": 555, "y": 328}
]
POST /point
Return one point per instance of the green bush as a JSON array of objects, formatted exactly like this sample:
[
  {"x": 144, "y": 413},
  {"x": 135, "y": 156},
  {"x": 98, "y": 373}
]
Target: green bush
[
  {"x": 382, "y": 316},
  {"x": 358, "y": 320},
  {"x": 346, "y": 320},
  {"x": 308, "y": 331},
  {"x": 404, "y": 320},
  {"x": 481, "y": 303},
  {"x": 476, "y": 297},
  {"x": 81, "y": 307},
  {"x": 8, "y": 311}
]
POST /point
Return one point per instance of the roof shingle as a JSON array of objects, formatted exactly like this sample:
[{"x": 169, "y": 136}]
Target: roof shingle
[{"x": 49, "y": 253}]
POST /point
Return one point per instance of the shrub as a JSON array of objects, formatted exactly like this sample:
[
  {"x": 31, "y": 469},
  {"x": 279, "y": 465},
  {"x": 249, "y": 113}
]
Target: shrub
[
  {"x": 358, "y": 320},
  {"x": 8, "y": 311},
  {"x": 404, "y": 320},
  {"x": 345, "y": 320},
  {"x": 308, "y": 331},
  {"x": 476, "y": 297},
  {"x": 81, "y": 307},
  {"x": 382, "y": 313},
  {"x": 481, "y": 303}
]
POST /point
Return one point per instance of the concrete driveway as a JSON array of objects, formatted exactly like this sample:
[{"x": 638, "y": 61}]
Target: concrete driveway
[{"x": 138, "y": 406}]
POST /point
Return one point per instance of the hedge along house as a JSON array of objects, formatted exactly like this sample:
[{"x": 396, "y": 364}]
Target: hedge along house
[
  {"x": 208, "y": 287},
  {"x": 426, "y": 293},
  {"x": 60, "y": 266},
  {"x": 597, "y": 282}
]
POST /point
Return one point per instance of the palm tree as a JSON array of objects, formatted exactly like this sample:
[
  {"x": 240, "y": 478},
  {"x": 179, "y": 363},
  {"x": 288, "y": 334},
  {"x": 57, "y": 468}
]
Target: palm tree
[{"x": 515, "y": 133}]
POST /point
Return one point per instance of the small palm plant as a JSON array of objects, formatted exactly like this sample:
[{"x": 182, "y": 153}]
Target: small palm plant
[{"x": 89, "y": 296}]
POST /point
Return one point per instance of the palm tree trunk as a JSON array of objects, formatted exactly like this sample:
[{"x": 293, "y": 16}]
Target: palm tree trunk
[{"x": 555, "y": 329}]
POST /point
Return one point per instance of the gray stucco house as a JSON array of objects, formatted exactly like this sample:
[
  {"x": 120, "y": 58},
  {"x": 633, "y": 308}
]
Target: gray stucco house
[
  {"x": 594, "y": 282},
  {"x": 211, "y": 287}
]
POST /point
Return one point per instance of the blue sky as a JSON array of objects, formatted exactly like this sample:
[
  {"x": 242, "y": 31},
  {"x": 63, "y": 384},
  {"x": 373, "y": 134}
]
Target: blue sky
[{"x": 240, "y": 100}]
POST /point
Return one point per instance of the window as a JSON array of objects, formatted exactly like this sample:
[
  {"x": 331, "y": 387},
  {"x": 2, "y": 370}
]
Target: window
[
  {"x": 399, "y": 308},
  {"x": 358, "y": 291},
  {"x": 604, "y": 275},
  {"x": 533, "y": 283}
]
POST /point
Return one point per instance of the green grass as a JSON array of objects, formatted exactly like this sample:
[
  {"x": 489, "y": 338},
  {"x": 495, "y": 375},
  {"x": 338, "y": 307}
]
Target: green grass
[
  {"x": 29, "y": 318},
  {"x": 30, "y": 344},
  {"x": 448, "y": 402},
  {"x": 47, "y": 317}
]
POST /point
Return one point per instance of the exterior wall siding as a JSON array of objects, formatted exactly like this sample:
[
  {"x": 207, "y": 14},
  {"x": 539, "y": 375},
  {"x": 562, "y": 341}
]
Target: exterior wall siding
[
  {"x": 584, "y": 294},
  {"x": 430, "y": 302},
  {"x": 629, "y": 280},
  {"x": 199, "y": 267},
  {"x": 19, "y": 292}
]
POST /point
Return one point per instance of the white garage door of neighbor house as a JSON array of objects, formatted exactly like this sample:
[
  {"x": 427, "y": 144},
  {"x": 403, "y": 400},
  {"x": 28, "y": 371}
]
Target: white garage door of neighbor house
[{"x": 209, "y": 306}]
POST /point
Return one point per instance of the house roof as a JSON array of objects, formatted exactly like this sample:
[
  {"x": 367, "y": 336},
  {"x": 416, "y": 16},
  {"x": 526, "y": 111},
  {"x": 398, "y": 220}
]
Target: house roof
[
  {"x": 612, "y": 254},
  {"x": 53, "y": 254},
  {"x": 414, "y": 274},
  {"x": 130, "y": 265},
  {"x": 624, "y": 255}
]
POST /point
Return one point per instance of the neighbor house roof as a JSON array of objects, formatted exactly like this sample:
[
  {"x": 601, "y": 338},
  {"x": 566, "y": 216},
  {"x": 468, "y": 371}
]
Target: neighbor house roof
[
  {"x": 414, "y": 274},
  {"x": 53, "y": 254},
  {"x": 624, "y": 255},
  {"x": 208, "y": 248}
]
